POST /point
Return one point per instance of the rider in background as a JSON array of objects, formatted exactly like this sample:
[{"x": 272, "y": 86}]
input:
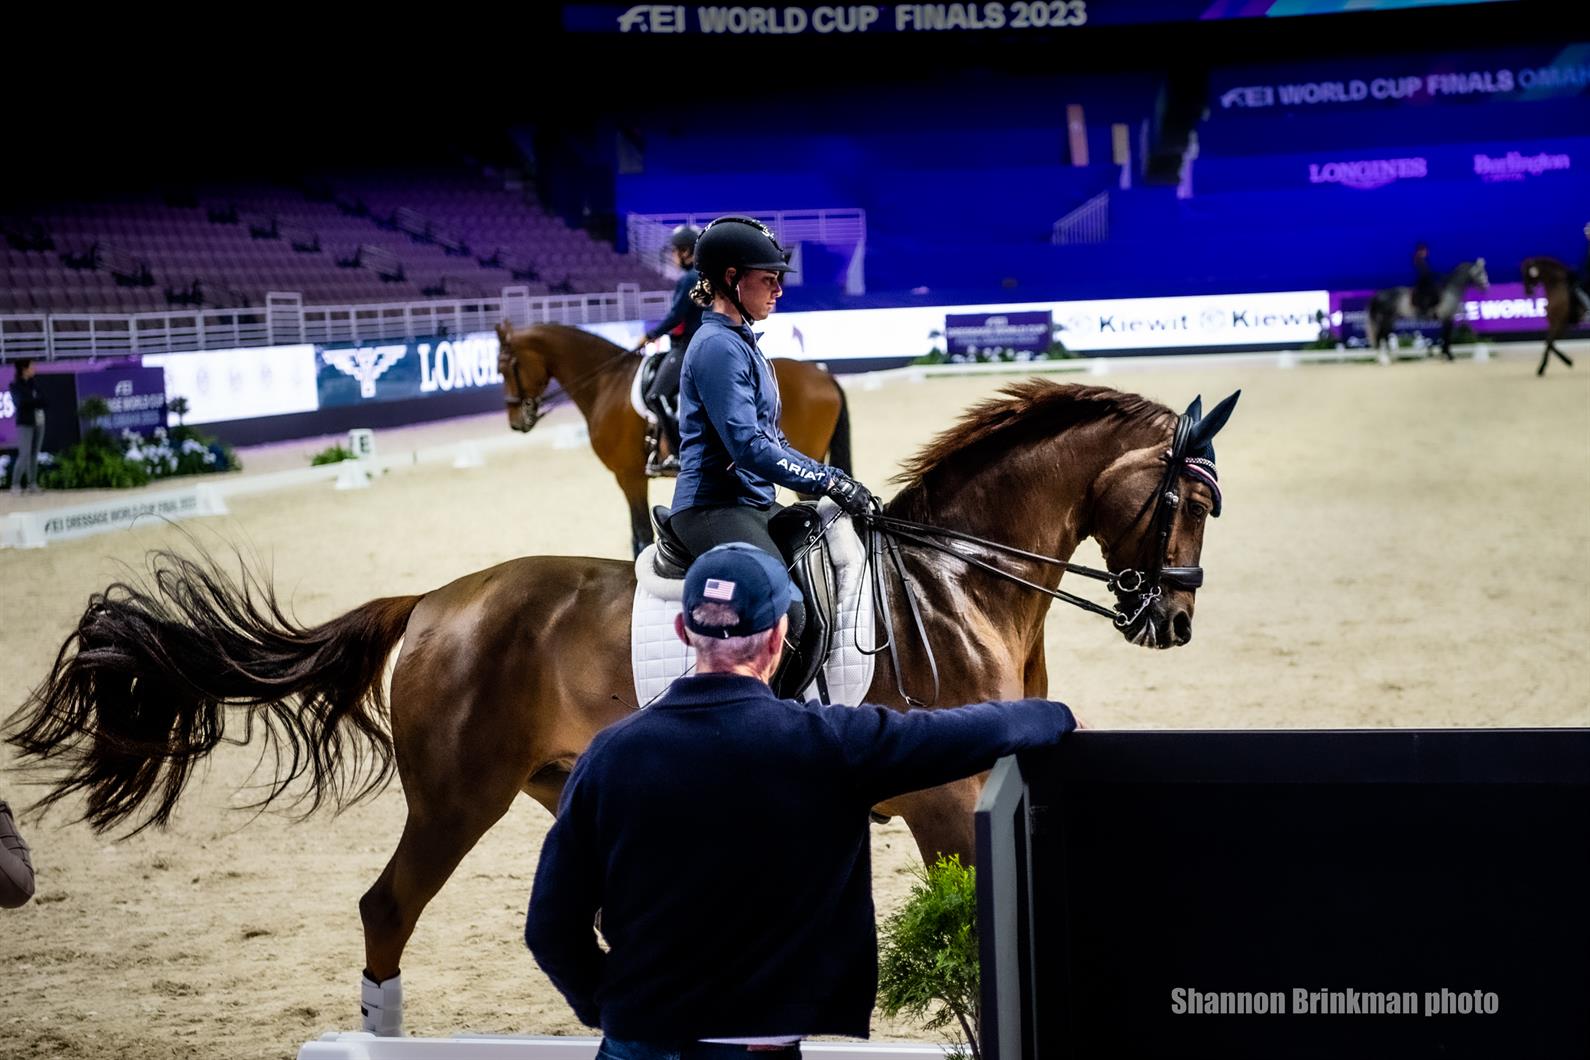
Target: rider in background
[
  {"x": 1427, "y": 288},
  {"x": 733, "y": 453},
  {"x": 662, "y": 396}
]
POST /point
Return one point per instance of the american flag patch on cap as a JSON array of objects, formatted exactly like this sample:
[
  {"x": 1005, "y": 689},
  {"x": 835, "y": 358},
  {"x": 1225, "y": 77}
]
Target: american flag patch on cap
[{"x": 718, "y": 589}]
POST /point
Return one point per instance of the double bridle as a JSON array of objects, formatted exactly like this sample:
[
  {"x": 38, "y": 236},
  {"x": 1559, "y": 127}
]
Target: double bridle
[
  {"x": 1141, "y": 587},
  {"x": 531, "y": 409}
]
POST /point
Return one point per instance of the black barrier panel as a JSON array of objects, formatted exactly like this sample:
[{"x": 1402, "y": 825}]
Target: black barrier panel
[{"x": 1294, "y": 894}]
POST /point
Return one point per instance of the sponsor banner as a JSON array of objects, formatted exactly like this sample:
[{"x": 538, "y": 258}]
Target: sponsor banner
[
  {"x": 1543, "y": 161},
  {"x": 239, "y": 384},
  {"x": 136, "y": 396},
  {"x": 987, "y": 335},
  {"x": 784, "y": 20},
  {"x": 37, "y": 529},
  {"x": 1516, "y": 165},
  {"x": 1099, "y": 326},
  {"x": 402, "y": 371},
  {"x": 1502, "y": 307},
  {"x": 1510, "y": 76},
  {"x": 1204, "y": 320},
  {"x": 58, "y": 391}
]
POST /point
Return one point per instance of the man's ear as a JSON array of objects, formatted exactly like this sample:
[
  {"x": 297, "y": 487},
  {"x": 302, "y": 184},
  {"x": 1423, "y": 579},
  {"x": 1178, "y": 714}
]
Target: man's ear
[
  {"x": 679, "y": 627},
  {"x": 732, "y": 278}
]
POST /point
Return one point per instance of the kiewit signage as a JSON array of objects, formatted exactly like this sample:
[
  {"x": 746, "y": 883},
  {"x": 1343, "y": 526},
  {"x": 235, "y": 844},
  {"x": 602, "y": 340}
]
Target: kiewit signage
[{"x": 1229, "y": 321}]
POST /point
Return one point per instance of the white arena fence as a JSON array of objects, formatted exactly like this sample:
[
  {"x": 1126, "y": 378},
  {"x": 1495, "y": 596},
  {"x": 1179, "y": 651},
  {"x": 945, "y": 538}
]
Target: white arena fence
[
  {"x": 284, "y": 319},
  {"x": 362, "y": 1046}
]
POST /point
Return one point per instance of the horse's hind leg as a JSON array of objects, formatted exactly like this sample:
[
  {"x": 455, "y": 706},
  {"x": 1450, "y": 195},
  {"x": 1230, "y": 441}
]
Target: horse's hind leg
[
  {"x": 435, "y": 839},
  {"x": 463, "y": 753}
]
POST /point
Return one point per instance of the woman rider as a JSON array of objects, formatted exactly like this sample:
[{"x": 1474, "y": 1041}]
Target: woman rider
[{"x": 732, "y": 452}]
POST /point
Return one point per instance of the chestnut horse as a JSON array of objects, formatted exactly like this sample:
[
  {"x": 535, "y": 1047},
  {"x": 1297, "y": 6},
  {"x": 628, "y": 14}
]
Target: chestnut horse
[
  {"x": 598, "y": 376},
  {"x": 1563, "y": 308},
  {"x": 506, "y": 674}
]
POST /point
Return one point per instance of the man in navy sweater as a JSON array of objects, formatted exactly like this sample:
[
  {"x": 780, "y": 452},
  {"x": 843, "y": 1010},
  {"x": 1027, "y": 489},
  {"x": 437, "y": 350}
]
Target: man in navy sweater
[{"x": 724, "y": 836}]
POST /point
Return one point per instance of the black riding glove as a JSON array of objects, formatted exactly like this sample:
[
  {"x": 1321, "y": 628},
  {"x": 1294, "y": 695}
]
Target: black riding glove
[{"x": 849, "y": 494}]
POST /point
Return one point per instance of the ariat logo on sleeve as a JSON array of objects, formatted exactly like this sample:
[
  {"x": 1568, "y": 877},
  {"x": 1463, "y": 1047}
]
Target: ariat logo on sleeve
[{"x": 802, "y": 472}]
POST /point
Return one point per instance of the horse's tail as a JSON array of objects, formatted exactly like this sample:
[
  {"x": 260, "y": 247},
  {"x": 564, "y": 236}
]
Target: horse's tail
[
  {"x": 128, "y": 714},
  {"x": 839, "y": 454}
]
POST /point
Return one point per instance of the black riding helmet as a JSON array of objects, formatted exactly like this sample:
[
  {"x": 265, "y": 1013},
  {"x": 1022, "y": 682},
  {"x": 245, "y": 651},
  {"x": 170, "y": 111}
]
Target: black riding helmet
[
  {"x": 684, "y": 237},
  {"x": 738, "y": 243}
]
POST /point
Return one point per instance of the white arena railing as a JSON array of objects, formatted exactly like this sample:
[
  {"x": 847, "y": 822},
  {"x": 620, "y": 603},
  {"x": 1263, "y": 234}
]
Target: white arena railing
[
  {"x": 648, "y": 234},
  {"x": 286, "y": 320},
  {"x": 1088, "y": 223}
]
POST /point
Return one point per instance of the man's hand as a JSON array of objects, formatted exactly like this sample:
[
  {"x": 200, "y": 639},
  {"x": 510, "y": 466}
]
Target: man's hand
[{"x": 640, "y": 347}]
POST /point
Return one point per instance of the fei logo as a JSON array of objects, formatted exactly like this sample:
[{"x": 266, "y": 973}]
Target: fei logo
[
  {"x": 653, "y": 18},
  {"x": 366, "y": 364}
]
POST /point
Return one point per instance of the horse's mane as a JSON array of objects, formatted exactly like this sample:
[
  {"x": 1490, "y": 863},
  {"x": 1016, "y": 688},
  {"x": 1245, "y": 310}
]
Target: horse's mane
[
  {"x": 1026, "y": 409},
  {"x": 569, "y": 331}
]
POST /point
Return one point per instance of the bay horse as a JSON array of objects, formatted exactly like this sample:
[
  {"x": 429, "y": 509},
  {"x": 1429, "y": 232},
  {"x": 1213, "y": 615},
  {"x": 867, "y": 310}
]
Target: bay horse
[
  {"x": 506, "y": 674},
  {"x": 1563, "y": 308},
  {"x": 1396, "y": 303},
  {"x": 598, "y": 375}
]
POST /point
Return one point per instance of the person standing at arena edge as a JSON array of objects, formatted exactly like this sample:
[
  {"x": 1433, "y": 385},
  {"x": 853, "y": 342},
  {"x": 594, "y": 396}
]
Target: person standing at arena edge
[
  {"x": 662, "y": 396},
  {"x": 723, "y": 835},
  {"x": 733, "y": 453},
  {"x": 16, "y": 866},
  {"x": 1427, "y": 287},
  {"x": 29, "y": 410}
]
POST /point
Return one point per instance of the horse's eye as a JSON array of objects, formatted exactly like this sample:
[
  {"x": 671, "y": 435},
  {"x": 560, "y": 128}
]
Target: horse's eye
[{"x": 1196, "y": 510}]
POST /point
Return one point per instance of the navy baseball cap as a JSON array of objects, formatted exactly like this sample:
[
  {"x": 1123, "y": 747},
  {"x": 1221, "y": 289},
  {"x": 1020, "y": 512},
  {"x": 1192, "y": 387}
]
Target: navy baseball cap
[{"x": 745, "y": 578}]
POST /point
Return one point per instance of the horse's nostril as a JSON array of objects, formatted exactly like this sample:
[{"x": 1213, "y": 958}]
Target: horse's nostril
[{"x": 1181, "y": 626}]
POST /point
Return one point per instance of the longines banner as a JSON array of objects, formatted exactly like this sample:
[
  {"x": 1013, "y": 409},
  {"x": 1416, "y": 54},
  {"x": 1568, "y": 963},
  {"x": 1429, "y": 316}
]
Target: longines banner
[
  {"x": 1519, "y": 162},
  {"x": 667, "y": 20},
  {"x": 400, "y": 371}
]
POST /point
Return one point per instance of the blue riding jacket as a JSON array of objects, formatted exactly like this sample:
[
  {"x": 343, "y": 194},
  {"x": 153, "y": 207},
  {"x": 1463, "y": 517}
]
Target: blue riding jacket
[
  {"x": 684, "y": 311},
  {"x": 731, "y": 448}
]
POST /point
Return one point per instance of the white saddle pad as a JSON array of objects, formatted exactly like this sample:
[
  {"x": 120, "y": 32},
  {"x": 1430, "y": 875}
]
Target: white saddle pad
[{"x": 657, "y": 656}]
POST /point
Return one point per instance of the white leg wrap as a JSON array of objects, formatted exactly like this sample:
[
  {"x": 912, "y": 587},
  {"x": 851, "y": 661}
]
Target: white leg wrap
[{"x": 382, "y": 1006}]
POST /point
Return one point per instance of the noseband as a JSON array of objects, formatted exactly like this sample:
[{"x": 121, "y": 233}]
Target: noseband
[{"x": 1147, "y": 585}]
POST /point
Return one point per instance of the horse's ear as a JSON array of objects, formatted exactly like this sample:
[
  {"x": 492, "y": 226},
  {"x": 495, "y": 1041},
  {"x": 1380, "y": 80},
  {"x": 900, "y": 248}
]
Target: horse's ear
[
  {"x": 1479, "y": 262},
  {"x": 1196, "y": 409},
  {"x": 1204, "y": 431}
]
